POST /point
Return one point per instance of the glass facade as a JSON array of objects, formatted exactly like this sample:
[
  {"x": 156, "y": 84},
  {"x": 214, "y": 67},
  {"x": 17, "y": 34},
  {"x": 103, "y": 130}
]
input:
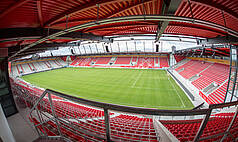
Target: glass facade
[{"x": 126, "y": 44}]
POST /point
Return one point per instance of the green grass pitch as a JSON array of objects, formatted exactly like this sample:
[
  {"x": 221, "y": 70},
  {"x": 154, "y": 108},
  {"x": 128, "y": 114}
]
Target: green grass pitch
[{"x": 131, "y": 87}]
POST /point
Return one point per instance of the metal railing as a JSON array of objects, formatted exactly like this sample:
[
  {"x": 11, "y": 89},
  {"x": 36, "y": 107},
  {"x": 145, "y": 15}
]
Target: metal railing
[{"x": 45, "y": 108}]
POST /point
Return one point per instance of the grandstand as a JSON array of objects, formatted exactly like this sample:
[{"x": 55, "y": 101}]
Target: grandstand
[{"x": 110, "y": 70}]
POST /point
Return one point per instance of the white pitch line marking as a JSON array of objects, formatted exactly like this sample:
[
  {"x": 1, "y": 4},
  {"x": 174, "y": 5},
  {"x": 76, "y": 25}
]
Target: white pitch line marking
[
  {"x": 177, "y": 92},
  {"x": 133, "y": 85}
]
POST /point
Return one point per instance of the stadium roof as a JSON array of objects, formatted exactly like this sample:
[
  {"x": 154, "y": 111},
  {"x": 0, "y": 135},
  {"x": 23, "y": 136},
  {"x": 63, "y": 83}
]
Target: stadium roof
[{"x": 30, "y": 26}]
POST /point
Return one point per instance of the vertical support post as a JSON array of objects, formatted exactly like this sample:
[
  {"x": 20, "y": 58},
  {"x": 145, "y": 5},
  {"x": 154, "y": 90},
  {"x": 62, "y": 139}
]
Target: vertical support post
[
  {"x": 107, "y": 124},
  {"x": 110, "y": 46},
  {"x": 202, "y": 126},
  {"x": 96, "y": 48},
  {"x": 227, "y": 89},
  {"x": 135, "y": 45},
  {"x": 190, "y": 7},
  {"x": 153, "y": 46},
  {"x": 126, "y": 46},
  {"x": 41, "y": 97},
  {"x": 104, "y": 47},
  {"x": 144, "y": 45},
  {"x": 84, "y": 49},
  {"x": 66, "y": 22},
  {"x": 48, "y": 30},
  {"x": 90, "y": 49},
  {"x": 235, "y": 76},
  {"x": 54, "y": 115},
  {"x": 161, "y": 49},
  {"x": 118, "y": 46},
  {"x": 97, "y": 12},
  {"x": 79, "y": 50}
]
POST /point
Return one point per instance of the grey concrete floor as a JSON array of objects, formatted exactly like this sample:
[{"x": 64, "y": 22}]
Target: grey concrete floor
[{"x": 21, "y": 128}]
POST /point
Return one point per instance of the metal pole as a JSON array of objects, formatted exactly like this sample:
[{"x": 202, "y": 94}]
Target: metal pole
[
  {"x": 41, "y": 97},
  {"x": 231, "y": 123},
  {"x": 202, "y": 126},
  {"x": 90, "y": 49},
  {"x": 153, "y": 46},
  {"x": 96, "y": 48},
  {"x": 79, "y": 50},
  {"x": 66, "y": 21},
  {"x": 118, "y": 46},
  {"x": 107, "y": 124},
  {"x": 110, "y": 46},
  {"x": 190, "y": 7},
  {"x": 84, "y": 49},
  {"x": 97, "y": 12},
  {"x": 126, "y": 46},
  {"x": 144, "y": 46},
  {"x": 228, "y": 85},
  {"x": 135, "y": 45},
  {"x": 235, "y": 77},
  {"x": 54, "y": 115}
]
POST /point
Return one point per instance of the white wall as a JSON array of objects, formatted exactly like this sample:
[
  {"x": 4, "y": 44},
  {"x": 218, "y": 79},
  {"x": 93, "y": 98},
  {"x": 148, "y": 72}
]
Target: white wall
[{"x": 5, "y": 131}]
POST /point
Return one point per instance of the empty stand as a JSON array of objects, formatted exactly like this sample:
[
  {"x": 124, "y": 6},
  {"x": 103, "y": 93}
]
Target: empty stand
[
  {"x": 179, "y": 58},
  {"x": 216, "y": 73},
  {"x": 127, "y": 127},
  {"x": 189, "y": 63},
  {"x": 123, "y": 60},
  {"x": 145, "y": 62},
  {"x": 186, "y": 130},
  {"x": 163, "y": 61},
  {"x": 195, "y": 68},
  {"x": 213, "y": 75},
  {"x": 103, "y": 60},
  {"x": 29, "y": 67}
]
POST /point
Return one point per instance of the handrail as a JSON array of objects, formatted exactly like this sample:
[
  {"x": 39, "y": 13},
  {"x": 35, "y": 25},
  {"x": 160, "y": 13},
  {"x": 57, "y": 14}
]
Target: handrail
[
  {"x": 147, "y": 111},
  {"x": 138, "y": 110},
  {"x": 197, "y": 107}
]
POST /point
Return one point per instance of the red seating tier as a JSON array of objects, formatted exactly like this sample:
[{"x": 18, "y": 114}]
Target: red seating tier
[
  {"x": 179, "y": 58},
  {"x": 195, "y": 68},
  {"x": 185, "y": 130},
  {"x": 217, "y": 73},
  {"x": 123, "y": 60},
  {"x": 103, "y": 60},
  {"x": 163, "y": 61},
  {"x": 189, "y": 63}
]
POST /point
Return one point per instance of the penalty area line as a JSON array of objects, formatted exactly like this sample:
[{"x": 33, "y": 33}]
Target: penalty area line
[{"x": 133, "y": 85}]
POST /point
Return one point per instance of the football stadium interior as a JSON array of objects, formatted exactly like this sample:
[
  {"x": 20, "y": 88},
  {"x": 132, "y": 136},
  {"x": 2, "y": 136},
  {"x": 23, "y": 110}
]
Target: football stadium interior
[{"x": 118, "y": 70}]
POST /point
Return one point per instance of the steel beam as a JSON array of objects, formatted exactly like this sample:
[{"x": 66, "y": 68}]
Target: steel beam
[
  {"x": 217, "y": 49},
  {"x": 107, "y": 124},
  {"x": 78, "y": 9},
  {"x": 22, "y": 33},
  {"x": 219, "y": 40},
  {"x": 13, "y": 7},
  {"x": 170, "y": 7},
  {"x": 39, "y": 11},
  {"x": 111, "y": 14},
  {"x": 216, "y": 5},
  {"x": 133, "y": 18}
]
